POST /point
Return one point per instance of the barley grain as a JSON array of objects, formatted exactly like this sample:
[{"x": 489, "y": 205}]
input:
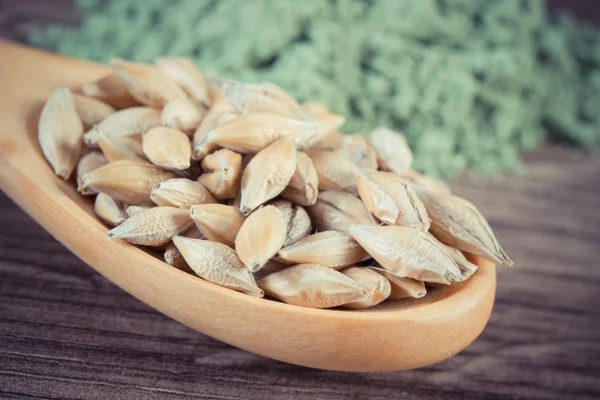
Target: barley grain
[
  {"x": 261, "y": 236},
  {"x": 267, "y": 174},
  {"x": 60, "y": 133},
  {"x": 217, "y": 263},
  {"x": 217, "y": 222},
  {"x": 152, "y": 227}
]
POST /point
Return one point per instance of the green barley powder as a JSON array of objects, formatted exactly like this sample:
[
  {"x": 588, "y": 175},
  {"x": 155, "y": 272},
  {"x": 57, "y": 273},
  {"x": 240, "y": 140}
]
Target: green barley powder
[{"x": 470, "y": 83}]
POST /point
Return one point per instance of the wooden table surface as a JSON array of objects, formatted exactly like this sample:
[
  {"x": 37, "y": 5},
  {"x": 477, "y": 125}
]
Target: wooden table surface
[{"x": 68, "y": 333}]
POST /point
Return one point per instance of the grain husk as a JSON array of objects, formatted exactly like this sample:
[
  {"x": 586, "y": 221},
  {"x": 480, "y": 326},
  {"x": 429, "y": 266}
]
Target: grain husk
[
  {"x": 261, "y": 236},
  {"x": 127, "y": 181},
  {"x": 312, "y": 285},
  {"x": 402, "y": 288},
  {"x": 180, "y": 193},
  {"x": 131, "y": 122},
  {"x": 117, "y": 148},
  {"x": 172, "y": 255},
  {"x": 249, "y": 98},
  {"x": 152, "y": 227},
  {"x": 251, "y": 133},
  {"x": 183, "y": 114},
  {"x": 267, "y": 174},
  {"x": 328, "y": 121},
  {"x": 427, "y": 183},
  {"x": 109, "y": 210},
  {"x": 303, "y": 188},
  {"x": 467, "y": 268},
  {"x": 330, "y": 249},
  {"x": 216, "y": 116},
  {"x": 390, "y": 199},
  {"x": 167, "y": 147},
  {"x": 358, "y": 150},
  {"x": 217, "y": 263},
  {"x": 218, "y": 222},
  {"x": 393, "y": 153},
  {"x": 91, "y": 111},
  {"x": 89, "y": 162},
  {"x": 269, "y": 268},
  {"x": 146, "y": 83},
  {"x": 110, "y": 89},
  {"x": 297, "y": 221},
  {"x": 266, "y": 89},
  {"x": 132, "y": 210},
  {"x": 327, "y": 141},
  {"x": 338, "y": 211},
  {"x": 334, "y": 171},
  {"x": 60, "y": 133},
  {"x": 222, "y": 173},
  {"x": 378, "y": 288},
  {"x": 458, "y": 223},
  {"x": 185, "y": 73},
  {"x": 408, "y": 252}
]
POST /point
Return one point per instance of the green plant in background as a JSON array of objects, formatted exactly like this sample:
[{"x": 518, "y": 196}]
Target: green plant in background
[{"x": 469, "y": 82}]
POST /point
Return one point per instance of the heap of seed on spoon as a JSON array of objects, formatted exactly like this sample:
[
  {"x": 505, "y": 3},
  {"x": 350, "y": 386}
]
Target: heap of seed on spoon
[{"x": 251, "y": 190}]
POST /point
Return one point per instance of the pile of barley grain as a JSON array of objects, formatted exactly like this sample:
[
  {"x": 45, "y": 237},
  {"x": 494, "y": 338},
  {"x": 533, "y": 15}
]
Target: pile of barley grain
[{"x": 253, "y": 191}]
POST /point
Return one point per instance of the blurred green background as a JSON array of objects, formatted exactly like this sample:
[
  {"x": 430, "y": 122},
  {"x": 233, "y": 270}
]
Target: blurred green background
[{"x": 470, "y": 83}]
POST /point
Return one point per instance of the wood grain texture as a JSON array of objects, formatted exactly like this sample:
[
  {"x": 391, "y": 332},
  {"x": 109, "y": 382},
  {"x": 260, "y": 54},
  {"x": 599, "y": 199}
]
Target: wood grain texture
[{"x": 68, "y": 333}]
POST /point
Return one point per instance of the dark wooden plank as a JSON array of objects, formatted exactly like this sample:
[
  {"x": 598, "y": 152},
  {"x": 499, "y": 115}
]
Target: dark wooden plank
[
  {"x": 17, "y": 17},
  {"x": 66, "y": 332}
]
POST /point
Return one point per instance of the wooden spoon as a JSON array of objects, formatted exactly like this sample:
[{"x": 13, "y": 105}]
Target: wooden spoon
[{"x": 396, "y": 335}]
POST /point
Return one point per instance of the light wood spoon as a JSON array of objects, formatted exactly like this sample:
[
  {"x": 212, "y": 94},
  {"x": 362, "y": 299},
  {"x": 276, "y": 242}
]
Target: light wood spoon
[{"x": 396, "y": 335}]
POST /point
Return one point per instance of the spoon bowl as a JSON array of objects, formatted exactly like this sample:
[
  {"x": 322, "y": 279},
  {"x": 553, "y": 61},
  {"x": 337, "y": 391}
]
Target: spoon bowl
[{"x": 396, "y": 335}]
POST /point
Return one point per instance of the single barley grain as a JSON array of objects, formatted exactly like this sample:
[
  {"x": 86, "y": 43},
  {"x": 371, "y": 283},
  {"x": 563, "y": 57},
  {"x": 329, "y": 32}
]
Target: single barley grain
[
  {"x": 312, "y": 285},
  {"x": 218, "y": 222},
  {"x": 222, "y": 173},
  {"x": 167, "y": 147},
  {"x": 407, "y": 252},
  {"x": 109, "y": 210},
  {"x": 217, "y": 263},
  {"x": 261, "y": 236},
  {"x": 330, "y": 249},
  {"x": 180, "y": 193},
  {"x": 267, "y": 174},
  {"x": 334, "y": 171},
  {"x": 89, "y": 162},
  {"x": 127, "y": 181},
  {"x": 60, "y": 133},
  {"x": 458, "y": 223},
  {"x": 152, "y": 227}
]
